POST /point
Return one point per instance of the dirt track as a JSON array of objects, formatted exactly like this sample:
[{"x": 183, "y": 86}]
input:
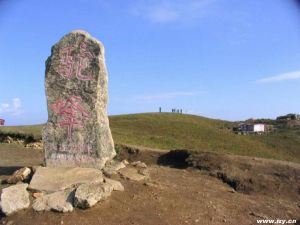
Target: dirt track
[{"x": 182, "y": 195}]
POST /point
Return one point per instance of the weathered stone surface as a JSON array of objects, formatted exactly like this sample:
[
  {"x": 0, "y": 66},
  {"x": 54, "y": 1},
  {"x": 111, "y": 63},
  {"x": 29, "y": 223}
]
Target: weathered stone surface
[
  {"x": 61, "y": 201},
  {"x": 37, "y": 194},
  {"x": 133, "y": 174},
  {"x": 77, "y": 132},
  {"x": 51, "y": 179},
  {"x": 87, "y": 195},
  {"x": 117, "y": 186},
  {"x": 19, "y": 175},
  {"x": 112, "y": 167},
  {"x": 14, "y": 198}
]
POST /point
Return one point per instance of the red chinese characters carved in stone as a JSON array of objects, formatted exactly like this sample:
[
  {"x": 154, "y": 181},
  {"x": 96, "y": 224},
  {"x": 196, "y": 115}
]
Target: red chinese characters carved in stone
[
  {"x": 73, "y": 64},
  {"x": 71, "y": 112}
]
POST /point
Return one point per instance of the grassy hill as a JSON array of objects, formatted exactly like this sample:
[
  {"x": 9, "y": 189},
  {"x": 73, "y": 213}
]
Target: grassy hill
[{"x": 176, "y": 131}]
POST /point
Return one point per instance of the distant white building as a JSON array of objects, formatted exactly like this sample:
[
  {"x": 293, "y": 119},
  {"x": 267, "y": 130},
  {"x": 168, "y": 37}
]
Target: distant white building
[{"x": 254, "y": 128}]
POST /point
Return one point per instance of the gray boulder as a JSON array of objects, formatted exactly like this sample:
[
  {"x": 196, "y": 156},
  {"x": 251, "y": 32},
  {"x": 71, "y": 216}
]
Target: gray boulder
[
  {"x": 14, "y": 198},
  {"x": 87, "y": 195},
  {"x": 61, "y": 201}
]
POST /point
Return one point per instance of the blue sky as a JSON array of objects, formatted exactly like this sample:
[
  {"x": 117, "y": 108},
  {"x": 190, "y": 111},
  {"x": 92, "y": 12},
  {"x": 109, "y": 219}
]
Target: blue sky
[{"x": 226, "y": 59}]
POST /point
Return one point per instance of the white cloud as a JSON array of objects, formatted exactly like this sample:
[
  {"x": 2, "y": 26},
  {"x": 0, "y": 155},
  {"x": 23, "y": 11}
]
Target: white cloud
[
  {"x": 166, "y": 11},
  {"x": 168, "y": 95},
  {"x": 16, "y": 103},
  {"x": 14, "y": 107},
  {"x": 281, "y": 77},
  {"x": 4, "y": 107}
]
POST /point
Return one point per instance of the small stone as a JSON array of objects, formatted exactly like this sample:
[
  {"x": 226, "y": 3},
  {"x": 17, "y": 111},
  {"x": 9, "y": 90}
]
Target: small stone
[
  {"x": 20, "y": 142},
  {"x": 117, "y": 186},
  {"x": 35, "y": 145},
  {"x": 232, "y": 191},
  {"x": 14, "y": 198},
  {"x": 87, "y": 195},
  {"x": 152, "y": 184},
  {"x": 19, "y": 175},
  {"x": 125, "y": 162},
  {"x": 61, "y": 201},
  {"x": 112, "y": 167},
  {"x": 8, "y": 140},
  {"x": 131, "y": 174},
  {"x": 139, "y": 164}
]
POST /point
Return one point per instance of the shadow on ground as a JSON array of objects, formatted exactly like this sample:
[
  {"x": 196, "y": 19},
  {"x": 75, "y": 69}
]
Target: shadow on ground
[
  {"x": 174, "y": 159},
  {"x": 8, "y": 170}
]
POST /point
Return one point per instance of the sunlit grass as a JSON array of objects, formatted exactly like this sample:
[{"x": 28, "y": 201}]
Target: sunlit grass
[{"x": 175, "y": 131}]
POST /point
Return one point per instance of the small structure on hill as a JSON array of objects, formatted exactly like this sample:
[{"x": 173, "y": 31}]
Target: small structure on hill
[
  {"x": 2, "y": 122},
  {"x": 290, "y": 116},
  {"x": 252, "y": 128}
]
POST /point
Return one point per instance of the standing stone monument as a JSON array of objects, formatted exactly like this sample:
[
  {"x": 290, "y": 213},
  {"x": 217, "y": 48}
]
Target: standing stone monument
[{"x": 77, "y": 132}]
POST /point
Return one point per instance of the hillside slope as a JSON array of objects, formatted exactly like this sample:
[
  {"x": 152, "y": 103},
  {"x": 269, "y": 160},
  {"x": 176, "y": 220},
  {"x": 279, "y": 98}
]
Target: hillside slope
[{"x": 176, "y": 131}]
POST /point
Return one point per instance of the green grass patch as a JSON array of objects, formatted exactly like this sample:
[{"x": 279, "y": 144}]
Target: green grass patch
[{"x": 177, "y": 131}]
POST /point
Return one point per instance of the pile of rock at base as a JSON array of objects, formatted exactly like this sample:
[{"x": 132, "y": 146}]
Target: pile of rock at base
[{"x": 61, "y": 189}]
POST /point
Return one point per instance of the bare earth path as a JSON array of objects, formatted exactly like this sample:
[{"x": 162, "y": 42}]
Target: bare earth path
[{"x": 173, "y": 196}]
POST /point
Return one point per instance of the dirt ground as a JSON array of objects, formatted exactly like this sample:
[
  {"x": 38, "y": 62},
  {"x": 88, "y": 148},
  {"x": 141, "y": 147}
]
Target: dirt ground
[{"x": 185, "y": 189}]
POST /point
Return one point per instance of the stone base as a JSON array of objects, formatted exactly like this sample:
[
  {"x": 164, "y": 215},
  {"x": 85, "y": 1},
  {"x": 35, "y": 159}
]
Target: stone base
[{"x": 52, "y": 179}]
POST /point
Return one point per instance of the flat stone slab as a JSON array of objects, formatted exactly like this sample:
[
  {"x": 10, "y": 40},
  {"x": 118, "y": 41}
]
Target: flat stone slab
[
  {"x": 14, "y": 198},
  {"x": 52, "y": 179}
]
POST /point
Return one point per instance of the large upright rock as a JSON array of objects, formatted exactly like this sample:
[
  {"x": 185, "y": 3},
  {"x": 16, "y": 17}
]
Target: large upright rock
[{"x": 77, "y": 132}]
